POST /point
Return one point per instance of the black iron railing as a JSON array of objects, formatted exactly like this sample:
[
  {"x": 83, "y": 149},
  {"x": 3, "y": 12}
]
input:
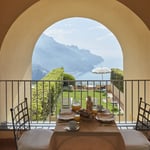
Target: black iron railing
[{"x": 47, "y": 97}]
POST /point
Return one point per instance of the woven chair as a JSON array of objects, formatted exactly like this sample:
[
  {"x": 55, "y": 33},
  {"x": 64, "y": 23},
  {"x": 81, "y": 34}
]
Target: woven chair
[
  {"x": 136, "y": 139},
  {"x": 25, "y": 138}
]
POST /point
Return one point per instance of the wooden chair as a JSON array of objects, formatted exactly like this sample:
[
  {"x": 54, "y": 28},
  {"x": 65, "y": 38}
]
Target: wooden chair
[
  {"x": 25, "y": 138},
  {"x": 135, "y": 139}
]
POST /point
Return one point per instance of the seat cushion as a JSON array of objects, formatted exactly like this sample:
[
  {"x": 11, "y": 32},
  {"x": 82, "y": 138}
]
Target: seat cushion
[
  {"x": 37, "y": 139},
  {"x": 135, "y": 140}
]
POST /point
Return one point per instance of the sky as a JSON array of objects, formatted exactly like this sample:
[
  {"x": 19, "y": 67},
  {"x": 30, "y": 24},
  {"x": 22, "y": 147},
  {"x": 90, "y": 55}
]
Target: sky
[{"x": 88, "y": 34}]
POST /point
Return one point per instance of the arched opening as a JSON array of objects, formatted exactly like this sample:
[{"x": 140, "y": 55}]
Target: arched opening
[
  {"x": 83, "y": 35},
  {"x": 18, "y": 44},
  {"x": 23, "y": 34}
]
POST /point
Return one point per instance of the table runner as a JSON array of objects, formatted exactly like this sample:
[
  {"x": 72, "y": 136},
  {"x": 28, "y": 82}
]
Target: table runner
[{"x": 91, "y": 136}]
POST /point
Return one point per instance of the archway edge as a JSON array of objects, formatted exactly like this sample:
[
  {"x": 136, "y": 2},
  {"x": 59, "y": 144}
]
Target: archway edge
[{"x": 130, "y": 31}]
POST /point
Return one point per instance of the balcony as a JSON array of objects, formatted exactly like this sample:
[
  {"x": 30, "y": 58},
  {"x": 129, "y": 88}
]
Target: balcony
[{"x": 46, "y": 98}]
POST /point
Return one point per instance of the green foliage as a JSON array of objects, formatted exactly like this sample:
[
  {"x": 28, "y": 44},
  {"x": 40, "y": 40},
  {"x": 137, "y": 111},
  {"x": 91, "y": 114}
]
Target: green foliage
[
  {"x": 117, "y": 78},
  {"x": 79, "y": 96},
  {"x": 55, "y": 74},
  {"x": 68, "y": 79},
  {"x": 45, "y": 94},
  {"x": 114, "y": 109}
]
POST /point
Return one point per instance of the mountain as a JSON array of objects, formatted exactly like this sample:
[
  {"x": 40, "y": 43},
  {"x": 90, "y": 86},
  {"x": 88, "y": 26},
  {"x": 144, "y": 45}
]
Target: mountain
[
  {"x": 38, "y": 72},
  {"x": 49, "y": 54}
]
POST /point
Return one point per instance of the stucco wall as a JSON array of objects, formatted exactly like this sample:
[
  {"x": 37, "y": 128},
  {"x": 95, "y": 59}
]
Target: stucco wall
[{"x": 133, "y": 35}]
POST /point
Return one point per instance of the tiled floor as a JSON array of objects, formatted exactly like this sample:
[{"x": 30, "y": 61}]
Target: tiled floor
[{"x": 7, "y": 144}]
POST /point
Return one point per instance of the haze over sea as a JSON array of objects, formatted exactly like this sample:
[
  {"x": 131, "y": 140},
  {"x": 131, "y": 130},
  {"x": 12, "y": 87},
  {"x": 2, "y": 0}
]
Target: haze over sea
[{"x": 92, "y": 76}]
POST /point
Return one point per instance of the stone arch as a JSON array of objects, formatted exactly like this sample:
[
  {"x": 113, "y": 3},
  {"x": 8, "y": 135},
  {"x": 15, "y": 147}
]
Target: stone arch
[{"x": 130, "y": 31}]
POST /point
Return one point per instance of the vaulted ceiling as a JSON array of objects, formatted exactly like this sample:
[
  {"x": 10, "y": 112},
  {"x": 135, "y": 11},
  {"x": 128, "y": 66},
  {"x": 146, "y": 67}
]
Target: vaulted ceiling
[
  {"x": 141, "y": 8},
  {"x": 11, "y": 9}
]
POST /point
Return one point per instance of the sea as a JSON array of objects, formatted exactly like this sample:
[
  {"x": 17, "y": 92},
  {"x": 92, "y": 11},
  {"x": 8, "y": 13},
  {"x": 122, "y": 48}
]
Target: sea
[{"x": 92, "y": 76}]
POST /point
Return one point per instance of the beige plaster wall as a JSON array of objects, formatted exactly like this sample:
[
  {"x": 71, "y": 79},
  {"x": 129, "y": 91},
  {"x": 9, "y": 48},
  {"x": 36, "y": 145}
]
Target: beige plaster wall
[
  {"x": 133, "y": 35},
  {"x": 131, "y": 32}
]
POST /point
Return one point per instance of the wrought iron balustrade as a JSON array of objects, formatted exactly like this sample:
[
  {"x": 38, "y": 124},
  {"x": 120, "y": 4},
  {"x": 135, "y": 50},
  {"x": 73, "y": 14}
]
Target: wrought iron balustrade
[{"x": 47, "y": 97}]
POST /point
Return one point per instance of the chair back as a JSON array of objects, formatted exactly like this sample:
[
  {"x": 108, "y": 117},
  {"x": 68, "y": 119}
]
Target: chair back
[
  {"x": 143, "y": 118},
  {"x": 20, "y": 119}
]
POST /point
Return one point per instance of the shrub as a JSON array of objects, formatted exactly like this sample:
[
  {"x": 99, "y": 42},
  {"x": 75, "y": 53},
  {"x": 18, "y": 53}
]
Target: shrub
[
  {"x": 68, "y": 79},
  {"x": 117, "y": 78}
]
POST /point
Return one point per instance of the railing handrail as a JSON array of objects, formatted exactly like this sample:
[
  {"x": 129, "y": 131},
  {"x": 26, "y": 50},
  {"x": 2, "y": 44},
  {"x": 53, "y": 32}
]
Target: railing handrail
[{"x": 12, "y": 91}]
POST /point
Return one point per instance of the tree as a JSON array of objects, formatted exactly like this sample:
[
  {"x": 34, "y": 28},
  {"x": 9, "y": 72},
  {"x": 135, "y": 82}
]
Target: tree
[
  {"x": 68, "y": 79},
  {"x": 117, "y": 78}
]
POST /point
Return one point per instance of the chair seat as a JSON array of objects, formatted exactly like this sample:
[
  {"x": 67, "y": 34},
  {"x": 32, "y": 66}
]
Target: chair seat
[
  {"x": 135, "y": 140},
  {"x": 37, "y": 139}
]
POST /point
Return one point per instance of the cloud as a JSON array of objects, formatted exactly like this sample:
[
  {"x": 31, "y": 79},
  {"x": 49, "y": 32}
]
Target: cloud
[
  {"x": 98, "y": 27},
  {"x": 105, "y": 37},
  {"x": 59, "y": 34},
  {"x": 87, "y": 34}
]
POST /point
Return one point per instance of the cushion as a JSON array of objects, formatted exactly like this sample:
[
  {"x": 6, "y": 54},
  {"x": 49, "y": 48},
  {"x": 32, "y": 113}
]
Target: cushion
[
  {"x": 135, "y": 140},
  {"x": 37, "y": 139}
]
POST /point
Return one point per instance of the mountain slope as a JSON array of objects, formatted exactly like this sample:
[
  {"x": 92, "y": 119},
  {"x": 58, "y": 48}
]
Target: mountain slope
[{"x": 50, "y": 54}]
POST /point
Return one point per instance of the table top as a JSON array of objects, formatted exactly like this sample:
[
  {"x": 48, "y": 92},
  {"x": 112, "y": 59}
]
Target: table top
[
  {"x": 91, "y": 126},
  {"x": 92, "y": 135}
]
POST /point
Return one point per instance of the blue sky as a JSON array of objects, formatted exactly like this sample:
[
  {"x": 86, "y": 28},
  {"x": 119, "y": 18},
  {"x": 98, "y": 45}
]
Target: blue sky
[{"x": 88, "y": 34}]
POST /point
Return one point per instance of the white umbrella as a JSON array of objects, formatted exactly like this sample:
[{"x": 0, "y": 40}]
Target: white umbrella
[{"x": 101, "y": 70}]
